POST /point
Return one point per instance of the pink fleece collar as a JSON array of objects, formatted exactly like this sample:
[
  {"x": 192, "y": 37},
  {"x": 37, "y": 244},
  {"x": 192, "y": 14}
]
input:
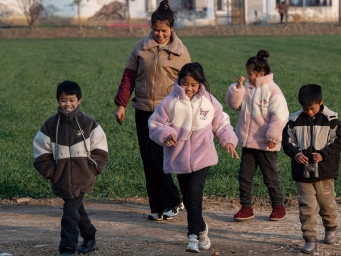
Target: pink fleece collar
[{"x": 264, "y": 80}]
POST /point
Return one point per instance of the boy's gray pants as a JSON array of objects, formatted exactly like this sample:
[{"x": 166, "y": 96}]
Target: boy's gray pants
[{"x": 316, "y": 198}]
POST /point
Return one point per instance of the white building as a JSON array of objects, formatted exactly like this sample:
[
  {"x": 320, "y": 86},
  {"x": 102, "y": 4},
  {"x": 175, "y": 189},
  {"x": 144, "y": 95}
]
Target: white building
[{"x": 189, "y": 12}]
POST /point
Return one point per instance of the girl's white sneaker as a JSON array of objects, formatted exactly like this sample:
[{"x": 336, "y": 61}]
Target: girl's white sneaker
[
  {"x": 204, "y": 241},
  {"x": 192, "y": 245}
]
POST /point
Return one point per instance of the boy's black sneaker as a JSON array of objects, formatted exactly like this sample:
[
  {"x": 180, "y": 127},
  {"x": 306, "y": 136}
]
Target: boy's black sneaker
[
  {"x": 67, "y": 254},
  {"x": 169, "y": 213},
  {"x": 155, "y": 216},
  {"x": 87, "y": 246}
]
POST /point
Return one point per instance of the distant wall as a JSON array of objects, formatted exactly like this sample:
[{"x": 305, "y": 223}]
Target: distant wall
[
  {"x": 65, "y": 12},
  {"x": 316, "y": 14},
  {"x": 103, "y": 12},
  {"x": 255, "y": 11}
]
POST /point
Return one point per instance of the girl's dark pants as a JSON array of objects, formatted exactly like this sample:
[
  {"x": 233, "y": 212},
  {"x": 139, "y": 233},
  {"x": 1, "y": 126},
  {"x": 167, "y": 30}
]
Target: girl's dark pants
[
  {"x": 192, "y": 187},
  {"x": 75, "y": 220},
  {"x": 162, "y": 192},
  {"x": 267, "y": 162}
]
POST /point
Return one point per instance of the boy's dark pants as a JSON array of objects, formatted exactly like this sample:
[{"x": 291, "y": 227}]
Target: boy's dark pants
[
  {"x": 313, "y": 199},
  {"x": 75, "y": 220},
  {"x": 162, "y": 192},
  {"x": 267, "y": 162},
  {"x": 192, "y": 187}
]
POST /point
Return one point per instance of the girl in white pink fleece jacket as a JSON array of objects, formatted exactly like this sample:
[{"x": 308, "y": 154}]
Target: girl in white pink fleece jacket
[
  {"x": 185, "y": 123},
  {"x": 263, "y": 113}
]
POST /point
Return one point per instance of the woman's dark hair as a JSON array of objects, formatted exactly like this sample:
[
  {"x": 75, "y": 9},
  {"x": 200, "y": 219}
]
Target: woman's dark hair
[
  {"x": 259, "y": 62},
  {"x": 194, "y": 70},
  {"x": 310, "y": 94},
  {"x": 69, "y": 88},
  {"x": 163, "y": 13}
]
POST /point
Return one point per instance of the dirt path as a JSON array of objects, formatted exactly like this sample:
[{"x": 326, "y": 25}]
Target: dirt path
[{"x": 123, "y": 229}]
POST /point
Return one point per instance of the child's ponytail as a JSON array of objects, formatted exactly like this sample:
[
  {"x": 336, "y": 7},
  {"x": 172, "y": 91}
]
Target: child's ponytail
[{"x": 260, "y": 62}]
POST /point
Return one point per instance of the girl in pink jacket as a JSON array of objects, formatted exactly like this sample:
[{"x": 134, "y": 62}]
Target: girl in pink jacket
[
  {"x": 263, "y": 113},
  {"x": 185, "y": 123}
]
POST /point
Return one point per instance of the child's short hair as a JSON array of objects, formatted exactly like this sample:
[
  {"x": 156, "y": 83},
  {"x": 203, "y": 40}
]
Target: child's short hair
[
  {"x": 260, "y": 62},
  {"x": 69, "y": 88},
  {"x": 310, "y": 94}
]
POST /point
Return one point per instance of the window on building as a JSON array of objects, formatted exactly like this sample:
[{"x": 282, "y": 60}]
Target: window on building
[
  {"x": 237, "y": 4},
  {"x": 175, "y": 5},
  {"x": 195, "y": 5},
  {"x": 297, "y": 3},
  {"x": 312, "y": 2},
  {"x": 188, "y": 4},
  {"x": 309, "y": 3},
  {"x": 220, "y": 5}
]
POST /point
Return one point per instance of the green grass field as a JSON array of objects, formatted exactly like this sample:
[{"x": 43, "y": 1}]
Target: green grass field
[{"x": 31, "y": 69}]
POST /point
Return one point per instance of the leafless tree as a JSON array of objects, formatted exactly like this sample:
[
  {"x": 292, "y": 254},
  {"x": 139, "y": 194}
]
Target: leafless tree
[
  {"x": 31, "y": 10},
  {"x": 128, "y": 15},
  {"x": 340, "y": 12},
  {"x": 215, "y": 15},
  {"x": 78, "y": 4}
]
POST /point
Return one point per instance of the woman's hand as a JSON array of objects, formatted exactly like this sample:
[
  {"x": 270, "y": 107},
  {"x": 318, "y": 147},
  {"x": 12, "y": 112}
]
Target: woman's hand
[
  {"x": 240, "y": 82},
  {"x": 171, "y": 140},
  {"x": 120, "y": 114},
  {"x": 230, "y": 150}
]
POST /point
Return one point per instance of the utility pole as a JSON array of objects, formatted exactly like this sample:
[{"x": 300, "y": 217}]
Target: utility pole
[
  {"x": 215, "y": 14},
  {"x": 340, "y": 12}
]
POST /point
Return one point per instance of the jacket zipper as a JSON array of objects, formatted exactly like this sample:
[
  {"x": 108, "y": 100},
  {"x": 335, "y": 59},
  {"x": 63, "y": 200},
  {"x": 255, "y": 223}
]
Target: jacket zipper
[
  {"x": 251, "y": 110},
  {"x": 71, "y": 183},
  {"x": 311, "y": 124},
  {"x": 154, "y": 75}
]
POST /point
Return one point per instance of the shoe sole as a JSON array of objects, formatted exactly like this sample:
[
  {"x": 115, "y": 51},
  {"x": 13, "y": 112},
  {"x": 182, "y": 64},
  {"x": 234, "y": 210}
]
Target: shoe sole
[
  {"x": 206, "y": 247},
  {"x": 242, "y": 219},
  {"x": 93, "y": 249},
  {"x": 168, "y": 217},
  {"x": 155, "y": 219},
  {"x": 330, "y": 243},
  {"x": 277, "y": 219},
  {"x": 308, "y": 252},
  {"x": 191, "y": 250},
  {"x": 150, "y": 217}
]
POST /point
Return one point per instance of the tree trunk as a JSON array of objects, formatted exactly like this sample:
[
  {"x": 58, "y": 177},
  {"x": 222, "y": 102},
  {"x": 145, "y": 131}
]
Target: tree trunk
[
  {"x": 215, "y": 15},
  {"x": 340, "y": 12},
  {"x": 79, "y": 15},
  {"x": 128, "y": 16}
]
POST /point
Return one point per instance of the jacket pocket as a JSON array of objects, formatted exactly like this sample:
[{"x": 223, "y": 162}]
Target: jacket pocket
[
  {"x": 172, "y": 78},
  {"x": 91, "y": 167},
  {"x": 51, "y": 173},
  {"x": 140, "y": 85},
  {"x": 166, "y": 85}
]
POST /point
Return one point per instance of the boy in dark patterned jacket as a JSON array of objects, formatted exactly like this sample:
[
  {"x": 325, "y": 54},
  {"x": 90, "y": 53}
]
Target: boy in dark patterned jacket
[
  {"x": 70, "y": 149},
  {"x": 312, "y": 138}
]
